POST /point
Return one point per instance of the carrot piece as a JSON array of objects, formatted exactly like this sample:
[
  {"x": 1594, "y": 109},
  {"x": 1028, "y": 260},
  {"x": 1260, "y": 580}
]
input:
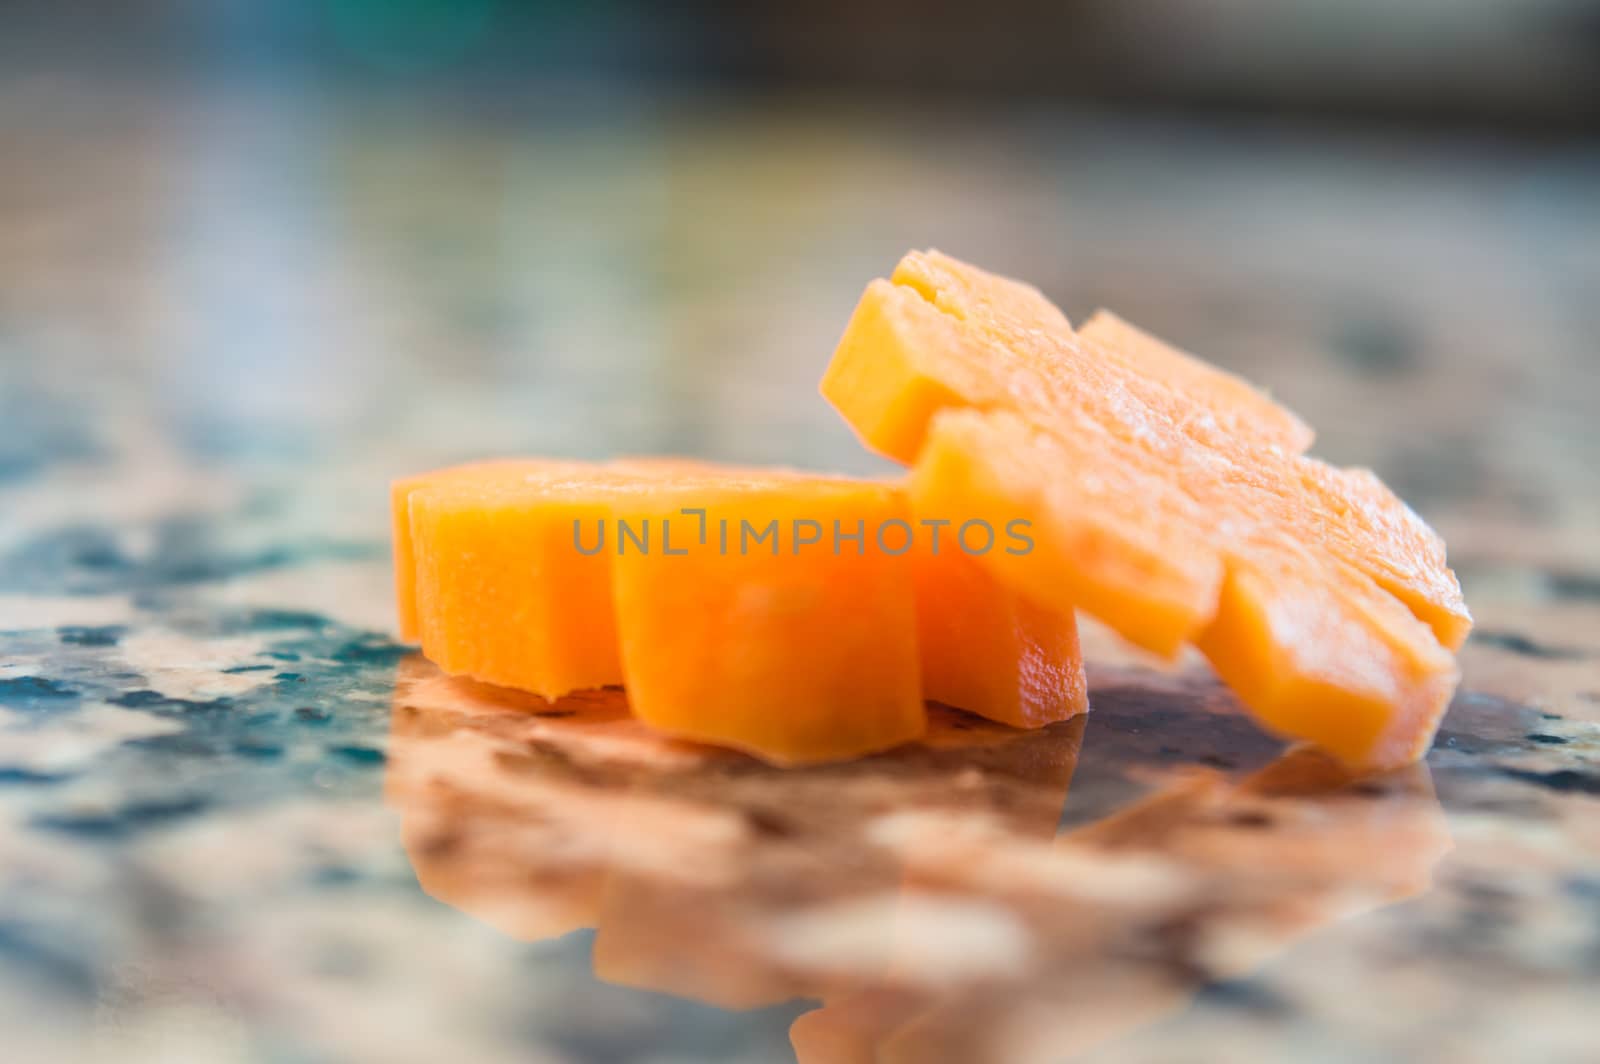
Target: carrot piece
[
  {"x": 500, "y": 594},
  {"x": 1165, "y": 497},
  {"x": 989, "y": 650},
  {"x": 741, "y": 635},
  {"x": 746, "y": 639}
]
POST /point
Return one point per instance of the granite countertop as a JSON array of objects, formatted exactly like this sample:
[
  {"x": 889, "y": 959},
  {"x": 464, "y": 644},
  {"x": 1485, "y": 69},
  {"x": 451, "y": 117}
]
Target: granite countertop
[{"x": 240, "y": 822}]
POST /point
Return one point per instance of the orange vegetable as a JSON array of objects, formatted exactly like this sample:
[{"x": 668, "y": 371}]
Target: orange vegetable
[
  {"x": 494, "y": 589},
  {"x": 794, "y": 654},
  {"x": 983, "y": 648},
  {"x": 724, "y": 627},
  {"x": 1233, "y": 401},
  {"x": 989, "y": 650},
  {"x": 1165, "y": 497}
]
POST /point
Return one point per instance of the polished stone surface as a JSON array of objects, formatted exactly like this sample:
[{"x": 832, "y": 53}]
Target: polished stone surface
[{"x": 238, "y": 821}]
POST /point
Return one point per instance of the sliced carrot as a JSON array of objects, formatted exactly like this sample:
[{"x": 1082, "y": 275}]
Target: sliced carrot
[
  {"x": 983, "y": 647},
  {"x": 500, "y": 594},
  {"x": 989, "y": 650},
  {"x": 791, "y": 653},
  {"x": 405, "y": 559},
  {"x": 740, "y": 635},
  {"x": 1165, "y": 497}
]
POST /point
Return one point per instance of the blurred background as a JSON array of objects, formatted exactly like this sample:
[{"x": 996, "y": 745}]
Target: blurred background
[{"x": 306, "y": 245}]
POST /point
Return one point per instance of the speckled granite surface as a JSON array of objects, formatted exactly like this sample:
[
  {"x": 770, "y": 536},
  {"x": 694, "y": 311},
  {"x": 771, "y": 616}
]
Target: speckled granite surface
[{"x": 238, "y": 822}]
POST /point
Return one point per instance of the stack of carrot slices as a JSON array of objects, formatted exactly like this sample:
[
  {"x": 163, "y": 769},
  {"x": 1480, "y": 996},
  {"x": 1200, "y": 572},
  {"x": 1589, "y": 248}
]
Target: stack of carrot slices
[{"x": 805, "y": 618}]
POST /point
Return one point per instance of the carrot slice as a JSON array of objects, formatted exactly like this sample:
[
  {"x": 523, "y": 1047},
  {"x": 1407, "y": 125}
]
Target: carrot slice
[
  {"x": 1165, "y": 497},
  {"x": 496, "y": 589},
  {"x": 983, "y": 647},
  {"x": 794, "y": 653},
  {"x": 704, "y": 602},
  {"x": 991, "y": 651}
]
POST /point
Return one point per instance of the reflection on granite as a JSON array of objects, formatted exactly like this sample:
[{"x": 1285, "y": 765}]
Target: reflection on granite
[
  {"x": 923, "y": 896},
  {"x": 239, "y": 823}
]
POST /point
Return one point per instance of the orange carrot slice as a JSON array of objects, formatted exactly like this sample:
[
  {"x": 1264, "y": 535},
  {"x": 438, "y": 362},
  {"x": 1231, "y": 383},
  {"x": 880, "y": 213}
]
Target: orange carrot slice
[
  {"x": 495, "y": 589},
  {"x": 1165, "y": 497},
  {"x": 704, "y": 602},
  {"x": 796, "y": 654}
]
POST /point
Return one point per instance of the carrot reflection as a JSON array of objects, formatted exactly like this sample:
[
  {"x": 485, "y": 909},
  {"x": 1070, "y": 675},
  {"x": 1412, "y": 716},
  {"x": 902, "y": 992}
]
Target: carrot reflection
[{"x": 924, "y": 895}]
